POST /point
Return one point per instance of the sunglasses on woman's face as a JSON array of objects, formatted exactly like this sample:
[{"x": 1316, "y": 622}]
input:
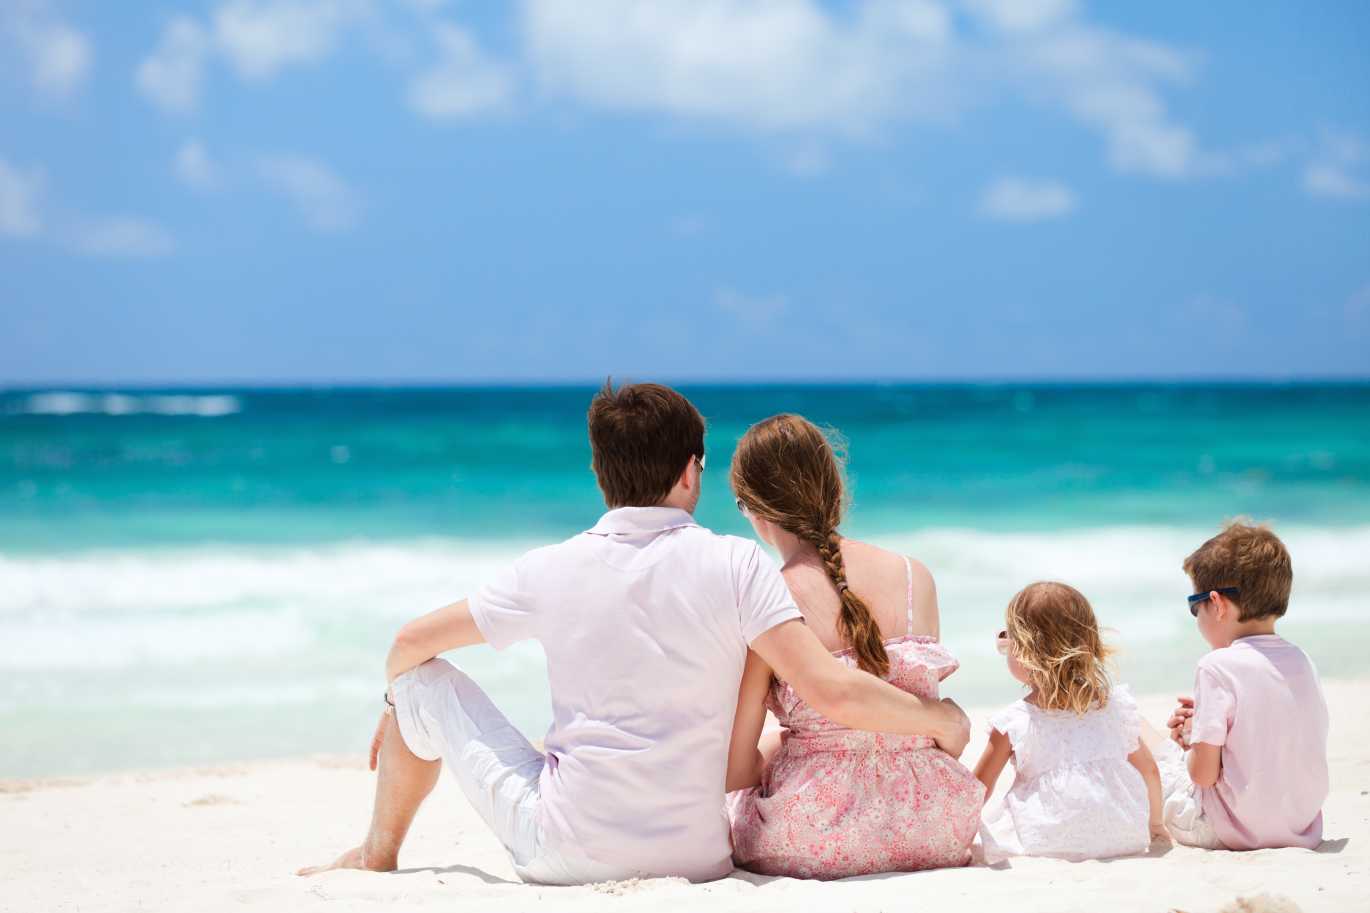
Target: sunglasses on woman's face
[
  {"x": 742, "y": 508},
  {"x": 1199, "y": 598},
  {"x": 1001, "y": 643}
]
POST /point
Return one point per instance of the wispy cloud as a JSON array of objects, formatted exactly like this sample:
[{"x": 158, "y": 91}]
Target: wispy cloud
[
  {"x": 800, "y": 67},
  {"x": 121, "y": 236},
  {"x": 323, "y": 199},
  {"x": 25, "y": 215},
  {"x": 464, "y": 81},
  {"x": 1357, "y": 309},
  {"x": 1337, "y": 170},
  {"x": 256, "y": 38},
  {"x": 195, "y": 167},
  {"x": 755, "y": 311},
  {"x": 20, "y": 197},
  {"x": 172, "y": 75},
  {"x": 1013, "y": 199},
  {"x": 56, "y": 56},
  {"x": 261, "y": 37},
  {"x": 781, "y": 66}
]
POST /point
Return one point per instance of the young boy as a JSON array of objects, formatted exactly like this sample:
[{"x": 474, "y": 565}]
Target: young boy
[{"x": 1255, "y": 731}]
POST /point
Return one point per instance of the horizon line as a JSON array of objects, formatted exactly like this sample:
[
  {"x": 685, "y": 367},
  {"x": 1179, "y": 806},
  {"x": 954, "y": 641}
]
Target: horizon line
[{"x": 580, "y": 383}]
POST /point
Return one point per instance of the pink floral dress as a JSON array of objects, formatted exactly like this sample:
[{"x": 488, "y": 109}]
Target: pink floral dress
[{"x": 835, "y": 802}]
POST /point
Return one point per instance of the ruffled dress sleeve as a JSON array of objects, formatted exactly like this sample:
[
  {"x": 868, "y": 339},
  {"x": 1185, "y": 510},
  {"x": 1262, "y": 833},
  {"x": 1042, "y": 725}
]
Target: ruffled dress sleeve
[
  {"x": 1013, "y": 721},
  {"x": 935, "y": 656},
  {"x": 1129, "y": 717}
]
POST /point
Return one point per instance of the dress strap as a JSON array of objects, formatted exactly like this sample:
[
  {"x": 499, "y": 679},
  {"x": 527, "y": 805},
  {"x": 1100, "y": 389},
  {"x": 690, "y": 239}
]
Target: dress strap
[{"x": 908, "y": 598}]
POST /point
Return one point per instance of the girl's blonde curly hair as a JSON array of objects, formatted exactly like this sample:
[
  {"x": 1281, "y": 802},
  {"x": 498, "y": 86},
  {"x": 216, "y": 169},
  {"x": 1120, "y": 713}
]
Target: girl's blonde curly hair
[{"x": 1054, "y": 637}]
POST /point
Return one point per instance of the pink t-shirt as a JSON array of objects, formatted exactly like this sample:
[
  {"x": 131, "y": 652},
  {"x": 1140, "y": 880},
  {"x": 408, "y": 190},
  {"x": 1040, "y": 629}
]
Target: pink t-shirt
[
  {"x": 645, "y": 620},
  {"x": 1260, "y": 700}
]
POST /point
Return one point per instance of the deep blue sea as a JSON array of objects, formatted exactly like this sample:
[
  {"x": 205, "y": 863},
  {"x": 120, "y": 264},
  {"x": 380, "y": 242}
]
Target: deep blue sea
[{"x": 210, "y": 574}]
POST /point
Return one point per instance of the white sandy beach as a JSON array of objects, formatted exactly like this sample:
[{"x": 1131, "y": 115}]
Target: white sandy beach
[{"x": 230, "y": 836}]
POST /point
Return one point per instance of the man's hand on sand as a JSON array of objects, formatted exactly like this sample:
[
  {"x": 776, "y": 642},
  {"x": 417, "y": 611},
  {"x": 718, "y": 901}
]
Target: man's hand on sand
[
  {"x": 957, "y": 730},
  {"x": 1184, "y": 712}
]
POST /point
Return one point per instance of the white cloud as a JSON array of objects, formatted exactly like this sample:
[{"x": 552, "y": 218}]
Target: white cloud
[
  {"x": 1357, "y": 310},
  {"x": 121, "y": 236},
  {"x": 24, "y": 215},
  {"x": 1021, "y": 15},
  {"x": 261, "y": 37},
  {"x": 323, "y": 200},
  {"x": 752, "y": 310},
  {"x": 172, "y": 74},
  {"x": 1024, "y": 200},
  {"x": 780, "y": 66},
  {"x": 20, "y": 196},
  {"x": 808, "y": 161},
  {"x": 464, "y": 82},
  {"x": 194, "y": 166},
  {"x": 1226, "y": 318},
  {"x": 56, "y": 56},
  {"x": 1337, "y": 169},
  {"x": 797, "y": 66},
  {"x": 689, "y": 225}
]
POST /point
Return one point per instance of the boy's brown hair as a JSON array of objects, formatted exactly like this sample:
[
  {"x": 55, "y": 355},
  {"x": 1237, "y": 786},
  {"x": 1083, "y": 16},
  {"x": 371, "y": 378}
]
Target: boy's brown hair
[
  {"x": 1251, "y": 558},
  {"x": 642, "y": 436}
]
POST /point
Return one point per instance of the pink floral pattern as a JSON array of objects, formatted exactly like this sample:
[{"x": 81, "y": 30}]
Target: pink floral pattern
[{"x": 835, "y": 802}]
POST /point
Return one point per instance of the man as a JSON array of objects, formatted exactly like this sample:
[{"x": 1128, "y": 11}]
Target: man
[{"x": 646, "y": 620}]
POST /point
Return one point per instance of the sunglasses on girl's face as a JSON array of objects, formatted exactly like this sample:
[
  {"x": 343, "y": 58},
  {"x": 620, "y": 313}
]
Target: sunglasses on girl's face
[
  {"x": 742, "y": 508},
  {"x": 1198, "y": 598},
  {"x": 1001, "y": 643}
]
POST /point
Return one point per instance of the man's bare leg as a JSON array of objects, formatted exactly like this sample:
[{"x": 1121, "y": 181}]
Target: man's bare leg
[{"x": 404, "y": 781}]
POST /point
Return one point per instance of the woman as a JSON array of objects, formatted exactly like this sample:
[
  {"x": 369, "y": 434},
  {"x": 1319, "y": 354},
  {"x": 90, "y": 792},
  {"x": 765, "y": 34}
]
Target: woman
[{"x": 824, "y": 801}]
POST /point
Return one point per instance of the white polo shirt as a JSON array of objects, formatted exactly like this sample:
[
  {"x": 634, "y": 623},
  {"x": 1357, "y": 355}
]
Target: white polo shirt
[{"x": 645, "y": 620}]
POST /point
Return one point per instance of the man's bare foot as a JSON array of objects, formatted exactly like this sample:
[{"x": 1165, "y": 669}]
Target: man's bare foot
[{"x": 355, "y": 858}]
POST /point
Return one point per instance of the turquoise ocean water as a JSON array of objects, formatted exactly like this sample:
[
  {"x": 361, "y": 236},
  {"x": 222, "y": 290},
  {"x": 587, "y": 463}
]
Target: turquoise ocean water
[{"x": 197, "y": 575}]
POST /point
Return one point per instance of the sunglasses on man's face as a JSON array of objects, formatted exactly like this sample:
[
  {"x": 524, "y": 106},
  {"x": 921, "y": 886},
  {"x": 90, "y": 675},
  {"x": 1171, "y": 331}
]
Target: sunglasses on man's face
[
  {"x": 1199, "y": 598},
  {"x": 1001, "y": 643}
]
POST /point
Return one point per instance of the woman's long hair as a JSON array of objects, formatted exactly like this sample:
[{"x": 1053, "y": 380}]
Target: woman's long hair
[
  {"x": 786, "y": 470},
  {"x": 1055, "y": 638}
]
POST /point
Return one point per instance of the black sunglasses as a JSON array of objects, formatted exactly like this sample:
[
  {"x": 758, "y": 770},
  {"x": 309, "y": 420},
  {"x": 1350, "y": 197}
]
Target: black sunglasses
[{"x": 1228, "y": 591}]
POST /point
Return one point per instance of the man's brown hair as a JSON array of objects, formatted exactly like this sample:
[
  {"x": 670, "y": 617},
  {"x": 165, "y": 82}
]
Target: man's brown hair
[
  {"x": 642, "y": 436},
  {"x": 1251, "y": 558}
]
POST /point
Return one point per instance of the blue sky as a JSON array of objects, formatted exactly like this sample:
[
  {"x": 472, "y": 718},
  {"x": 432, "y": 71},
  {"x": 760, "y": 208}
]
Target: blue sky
[{"x": 266, "y": 191}]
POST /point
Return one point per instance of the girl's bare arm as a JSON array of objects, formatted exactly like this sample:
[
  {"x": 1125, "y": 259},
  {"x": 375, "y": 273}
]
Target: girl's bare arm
[
  {"x": 992, "y": 762},
  {"x": 745, "y": 761}
]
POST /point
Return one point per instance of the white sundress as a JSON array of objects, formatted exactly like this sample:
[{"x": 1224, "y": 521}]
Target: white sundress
[{"x": 1075, "y": 796}]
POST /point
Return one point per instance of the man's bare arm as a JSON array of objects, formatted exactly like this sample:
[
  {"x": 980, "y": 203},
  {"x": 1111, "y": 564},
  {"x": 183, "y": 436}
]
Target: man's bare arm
[
  {"x": 428, "y": 635},
  {"x": 854, "y": 698}
]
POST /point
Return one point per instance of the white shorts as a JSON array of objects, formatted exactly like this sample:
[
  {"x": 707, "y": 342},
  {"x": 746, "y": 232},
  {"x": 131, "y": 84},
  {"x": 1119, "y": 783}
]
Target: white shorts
[
  {"x": 1183, "y": 806},
  {"x": 443, "y": 714}
]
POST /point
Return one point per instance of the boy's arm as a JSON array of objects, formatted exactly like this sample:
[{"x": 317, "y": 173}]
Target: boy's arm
[
  {"x": 853, "y": 698},
  {"x": 1145, "y": 763},
  {"x": 428, "y": 635},
  {"x": 745, "y": 761},
  {"x": 991, "y": 763},
  {"x": 1205, "y": 763}
]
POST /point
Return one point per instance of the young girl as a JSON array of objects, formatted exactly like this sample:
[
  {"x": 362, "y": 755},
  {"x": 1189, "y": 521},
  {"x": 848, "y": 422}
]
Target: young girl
[
  {"x": 1086, "y": 787},
  {"x": 827, "y": 801}
]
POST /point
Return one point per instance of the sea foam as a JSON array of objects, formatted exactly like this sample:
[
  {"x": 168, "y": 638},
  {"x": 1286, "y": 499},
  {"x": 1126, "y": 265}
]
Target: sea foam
[{"x": 61, "y": 402}]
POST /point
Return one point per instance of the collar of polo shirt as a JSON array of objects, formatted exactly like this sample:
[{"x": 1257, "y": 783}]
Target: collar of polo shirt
[{"x": 630, "y": 521}]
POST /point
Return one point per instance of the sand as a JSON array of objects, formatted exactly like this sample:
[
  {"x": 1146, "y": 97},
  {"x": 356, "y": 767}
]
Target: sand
[{"x": 230, "y": 836}]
